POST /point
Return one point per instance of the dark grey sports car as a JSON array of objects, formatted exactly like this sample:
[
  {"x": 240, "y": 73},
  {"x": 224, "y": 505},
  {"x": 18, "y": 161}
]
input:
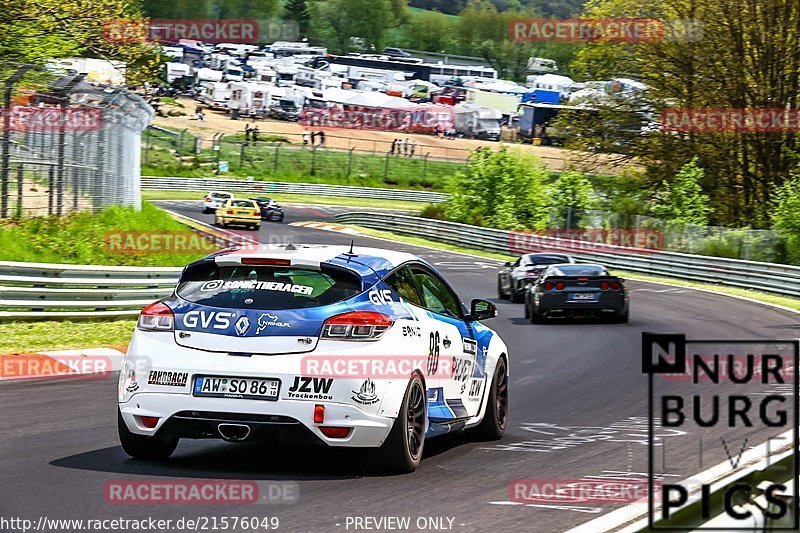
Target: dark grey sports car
[
  {"x": 512, "y": 280},
  {"x": 577, "y": 290}
]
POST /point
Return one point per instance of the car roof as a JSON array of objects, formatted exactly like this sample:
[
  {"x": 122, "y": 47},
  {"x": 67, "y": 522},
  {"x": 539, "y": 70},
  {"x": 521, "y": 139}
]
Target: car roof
[{"x": 578, "y": 265}]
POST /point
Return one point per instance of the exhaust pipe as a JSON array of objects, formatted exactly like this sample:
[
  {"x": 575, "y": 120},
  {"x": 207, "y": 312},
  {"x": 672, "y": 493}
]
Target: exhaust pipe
[{"x": 234, "y": 432}]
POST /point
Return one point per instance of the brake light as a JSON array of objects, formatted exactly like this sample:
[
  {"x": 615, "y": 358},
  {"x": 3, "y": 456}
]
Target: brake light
[
  {"x": 208, "y": 199},
  {"x": 356, "y": 326},
  {"x": 149, "y": 421},
  {"x": 265, "y": 261},
  {"x": 334, "y": 432},
  {"x": 319, "y": 414},
  {"x": 616, "y": 285},
  {"x": 604, "y": 285},
  {"x": 560, "y": 285},
  {"x": 257, "y": 213},
  {"x": 156, "y": 317},
  {"x": 548, "y": 286},
  {"x": 229, "y": 211}
]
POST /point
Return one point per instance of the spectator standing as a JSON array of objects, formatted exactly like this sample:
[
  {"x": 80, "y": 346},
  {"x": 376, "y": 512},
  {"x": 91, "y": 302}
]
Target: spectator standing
[
  {"x": 305, "y": 137},
  {"x": 405, "y": 146},
  {"x": 255, "y": 133},
  {"x": 394, "y": 146},
  {"x": 321, "y": 136},
  {"x": 413, "y": 148}
]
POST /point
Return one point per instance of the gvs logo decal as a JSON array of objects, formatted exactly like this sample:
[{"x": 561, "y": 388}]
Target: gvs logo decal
[{"x": 206, "y": 319}]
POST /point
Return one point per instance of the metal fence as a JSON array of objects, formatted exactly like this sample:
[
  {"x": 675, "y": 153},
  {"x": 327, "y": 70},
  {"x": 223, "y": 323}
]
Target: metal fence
[
  {"x": 71, "y": 147},
  {"x": 40, "y": 291},
  {"x": 283, "y": 155},
  {"x": 270, "y": 187},
  {"x": 770, "y": 277}
]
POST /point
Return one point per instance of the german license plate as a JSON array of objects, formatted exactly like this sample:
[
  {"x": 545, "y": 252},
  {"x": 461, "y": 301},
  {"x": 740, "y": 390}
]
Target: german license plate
[{"x": 242, "y": 388}]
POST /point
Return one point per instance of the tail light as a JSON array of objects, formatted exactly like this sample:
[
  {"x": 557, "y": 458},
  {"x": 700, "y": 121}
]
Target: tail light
[
  {"x": 604, "y": 285},
  {"x": 548, "y": 286},
  {"x": 560, "y": 285},
  {"x": 229, "y": 211},
  {"x": 334, "y": 432},
  {"x": 208, "y": 199},
  {"x": 156, "y": 317},
  {"x": 149, "y": 421},
  {"x": 257, "y": 213},
  {"x": 616, "y": 285},
  {"x": 356, "y": 326}
]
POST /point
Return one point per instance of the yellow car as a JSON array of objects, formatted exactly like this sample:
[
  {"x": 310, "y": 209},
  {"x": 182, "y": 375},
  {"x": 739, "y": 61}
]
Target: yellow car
[{"x": 239, "y": 211}]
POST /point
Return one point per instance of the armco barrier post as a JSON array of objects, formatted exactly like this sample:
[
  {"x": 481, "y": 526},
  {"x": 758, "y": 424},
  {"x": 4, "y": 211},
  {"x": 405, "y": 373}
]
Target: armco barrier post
[{"x": 350, "y": 161}]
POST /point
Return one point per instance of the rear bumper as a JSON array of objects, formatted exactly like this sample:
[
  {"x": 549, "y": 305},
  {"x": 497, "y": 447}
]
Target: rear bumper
[
  {"x": 288, "y": 421},
  {"x": 233, "y": 219},
  {"x": 560, "y": 305}
]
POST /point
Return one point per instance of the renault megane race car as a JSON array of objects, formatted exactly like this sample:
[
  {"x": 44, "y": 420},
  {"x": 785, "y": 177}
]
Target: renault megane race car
[{"x": 228, "y": 355}]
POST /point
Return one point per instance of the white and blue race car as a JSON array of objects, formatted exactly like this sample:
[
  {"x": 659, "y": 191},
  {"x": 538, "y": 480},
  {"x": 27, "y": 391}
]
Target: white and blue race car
[{"x": 312, "y": 344}]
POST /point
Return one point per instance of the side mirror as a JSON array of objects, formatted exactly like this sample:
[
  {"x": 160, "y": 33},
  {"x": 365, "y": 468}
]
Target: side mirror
[
  {"x": 508, "y": 263},
  {"x": 482, "y": 310}
]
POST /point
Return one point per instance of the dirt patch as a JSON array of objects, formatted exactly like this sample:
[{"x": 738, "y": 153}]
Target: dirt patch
[{"x": 379, "y": 142}]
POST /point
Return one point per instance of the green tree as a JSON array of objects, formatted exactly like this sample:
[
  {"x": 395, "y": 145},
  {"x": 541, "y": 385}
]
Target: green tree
[
  {"x": 36, "y": 31},
  {"x": 784, "y": 216},
  {"x": 500, "y": 189},
  {"x": 337, "y": 21},
  {"x": 297, "y": 10},
  {"x": 683, "y": 200},
  {"x": 572, "y": 195}
]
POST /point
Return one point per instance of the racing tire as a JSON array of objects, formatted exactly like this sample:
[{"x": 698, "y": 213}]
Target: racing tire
[
  {"x": 500, "y": 293},
  {"x": 142, "y": 446},
  {"x": 527, "y": 311},
  {"x": 257, "y": 227},
  {"x": 401, "y": 453},
  {"x": 515, "y": 296},
  {"x": 536, "y": 317},
  {"x": 623, "y": 318},
  {"x": 206, "y": 211},
  {"x": 495, "y": 419}
]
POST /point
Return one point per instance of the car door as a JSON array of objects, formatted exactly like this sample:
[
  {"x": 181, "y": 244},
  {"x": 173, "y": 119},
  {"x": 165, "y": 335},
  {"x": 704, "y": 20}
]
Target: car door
[{"x": 450, "y": 340}]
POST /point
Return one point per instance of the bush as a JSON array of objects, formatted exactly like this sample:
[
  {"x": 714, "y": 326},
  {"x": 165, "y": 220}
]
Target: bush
[
  {"x": 435, "y": 211},
  {"x": 501, "y": 190}
]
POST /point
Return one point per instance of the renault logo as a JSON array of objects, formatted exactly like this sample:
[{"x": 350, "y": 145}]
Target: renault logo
[{"x": 242, "y": 325}]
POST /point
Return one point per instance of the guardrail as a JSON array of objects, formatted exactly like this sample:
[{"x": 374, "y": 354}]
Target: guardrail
[
  {"x": 769, "y": 277},
  {"x": 40, "y": 291},
  {"x": 170, "y": 183}
]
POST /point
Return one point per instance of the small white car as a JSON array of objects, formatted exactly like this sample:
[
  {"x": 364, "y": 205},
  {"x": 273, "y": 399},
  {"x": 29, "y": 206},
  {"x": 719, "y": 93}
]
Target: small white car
[
  {"x": 214, "y": 200},
  {"x": 238, "y": 352}
]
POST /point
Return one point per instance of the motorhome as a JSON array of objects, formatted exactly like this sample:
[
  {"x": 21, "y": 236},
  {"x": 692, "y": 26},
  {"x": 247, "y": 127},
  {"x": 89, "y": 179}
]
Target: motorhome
[
  {"x": 236, "y": 49},
  {"x": 266, "y": 75},
  {"x": 233, "y": 73},
  {"x": 289, "y": 49},
  {"x": 551, "y": 82},
  {"x": 478, "y": 121},
  {"x": 438, "y": 73},
  {"x": 540, "y": 65},
  {"x": 176, "y": 71},
  {"x": 250, "y": 98},
  {"x": 506, "y": 103},
  {"x": 217, "y": 95}
]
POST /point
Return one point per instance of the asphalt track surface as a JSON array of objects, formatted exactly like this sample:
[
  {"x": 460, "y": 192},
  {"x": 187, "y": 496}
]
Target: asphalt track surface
[{"x": 578, "y": 408}]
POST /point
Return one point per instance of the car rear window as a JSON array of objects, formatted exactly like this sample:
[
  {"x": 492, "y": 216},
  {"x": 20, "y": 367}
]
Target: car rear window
[
  {"x": 243, "y": 203},
  {"x": 220, "y": 195},
  {"x": 578, "y": 270},
  {"x": 266, "y": 287},
  {"x": 547, "y": 259}
]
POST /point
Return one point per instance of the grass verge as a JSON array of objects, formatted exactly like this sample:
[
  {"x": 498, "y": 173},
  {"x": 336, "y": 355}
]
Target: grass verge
[
  {"x": 28, "y": 337},
  {"x": 296, "y": 198},
  {"x": 767, "y": 298},
  {"x": 80, "y": 238}
]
